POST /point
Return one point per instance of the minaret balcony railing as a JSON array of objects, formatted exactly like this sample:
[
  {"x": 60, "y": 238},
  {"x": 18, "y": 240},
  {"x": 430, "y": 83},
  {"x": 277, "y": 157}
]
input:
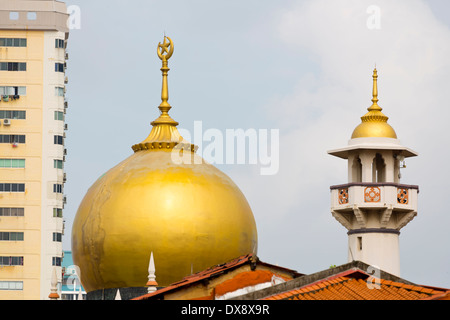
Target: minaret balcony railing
[{"x": 374, "y": 195}]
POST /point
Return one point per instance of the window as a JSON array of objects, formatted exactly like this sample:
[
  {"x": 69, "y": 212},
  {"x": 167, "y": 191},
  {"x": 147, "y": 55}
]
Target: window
[
  {"x": 59, "y": 91},
  {"x": 57, "y": 213},
  {"x": 11, "y": 261},
  {"x": 58, "y": 188},
  {"x": 13, "y": 15},
  {"x": 57, "y": 237},
  {"x": 13, "y": 91},
  {"x": 12, "y": 212},
  {"x": 11, "y": 285},
  {"x": 13, "y": 42},
  {"x": 59, "y": 67},
  {"x": 56, "y": 261},
  {"x": 58, "y": 140},
  {"x": 58, "y": 164},
  {"x": 10, "y": 114},
  {"x": 13, "y": 66},
  {"x": 12, "y": 138},
  {"x": 11, "y": 236},
  {"x": 12, "y": 163},
  {"x": 12, "y": 187},
  {"x": 31, "y": 15},
  {"x": 60, "y": 43},
  {"x": 59, "y": 115}
]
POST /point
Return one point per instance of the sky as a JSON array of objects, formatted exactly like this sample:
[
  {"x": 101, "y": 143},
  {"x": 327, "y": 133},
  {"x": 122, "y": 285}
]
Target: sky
[{"x": 301, "y": 67}]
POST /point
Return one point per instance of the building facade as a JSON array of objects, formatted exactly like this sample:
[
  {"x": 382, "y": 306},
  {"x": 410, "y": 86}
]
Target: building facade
[{"x": 33, "y": 40}]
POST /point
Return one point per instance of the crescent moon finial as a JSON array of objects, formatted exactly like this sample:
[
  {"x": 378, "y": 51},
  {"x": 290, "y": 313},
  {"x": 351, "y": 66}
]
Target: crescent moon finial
[{"x": 165, "y": 49}]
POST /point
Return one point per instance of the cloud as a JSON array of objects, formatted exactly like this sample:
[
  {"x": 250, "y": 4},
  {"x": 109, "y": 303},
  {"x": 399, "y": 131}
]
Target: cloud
[{"x": 411, "y": 50}]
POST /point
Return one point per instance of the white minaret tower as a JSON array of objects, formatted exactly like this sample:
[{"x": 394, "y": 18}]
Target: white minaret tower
[{"x": 373, "y": 206}]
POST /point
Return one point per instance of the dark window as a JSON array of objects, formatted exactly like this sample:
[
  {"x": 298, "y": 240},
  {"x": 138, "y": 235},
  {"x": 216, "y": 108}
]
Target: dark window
[
  {"x": 59, "y": 43},
  {"x": 57, "y": 236},
  {"x": 13, "y": 42},
  {"x": 58, "y": 140},
  {"x": 57, "y": 188},
  {"x": 11, "y": 236},
  {"x": 59, "y": 67},
  {"x": 12, "y": 138},
  {"x": 12, "y": 212},
  {"x": 12, "y": 187},
  {"x": 13, "y": 66},
  {"x": 11, "y": 261},
  {"x": 56, "y": 261}
]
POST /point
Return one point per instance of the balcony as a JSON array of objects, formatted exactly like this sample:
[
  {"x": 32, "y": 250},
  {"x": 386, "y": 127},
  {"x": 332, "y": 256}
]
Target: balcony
[{"x": 399, "y": 197}]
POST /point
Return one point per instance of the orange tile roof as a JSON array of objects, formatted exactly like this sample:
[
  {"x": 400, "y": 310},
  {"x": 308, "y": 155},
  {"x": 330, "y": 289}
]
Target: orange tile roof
[
  {"x": 212, "y": 272},
  {"x": 353, "y": 286}
]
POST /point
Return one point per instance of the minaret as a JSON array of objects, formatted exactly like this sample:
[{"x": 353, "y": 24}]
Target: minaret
[{"x": 373, "y": 206}]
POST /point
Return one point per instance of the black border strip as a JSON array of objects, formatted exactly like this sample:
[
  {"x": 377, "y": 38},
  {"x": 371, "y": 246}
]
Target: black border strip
[{"x": 373, "y": 230}]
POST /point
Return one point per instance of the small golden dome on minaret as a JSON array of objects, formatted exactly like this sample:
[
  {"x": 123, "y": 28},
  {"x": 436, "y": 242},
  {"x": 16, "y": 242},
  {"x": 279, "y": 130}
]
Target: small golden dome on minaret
[
  {"x": 189, "y": 214},
  {"x": 374, "y": 123}
]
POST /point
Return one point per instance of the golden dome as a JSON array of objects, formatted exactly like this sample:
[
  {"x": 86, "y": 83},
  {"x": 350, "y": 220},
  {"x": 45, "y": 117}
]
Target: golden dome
[
  {"x": 190, "y": 215},
  {"x": 374, "y": 123}
]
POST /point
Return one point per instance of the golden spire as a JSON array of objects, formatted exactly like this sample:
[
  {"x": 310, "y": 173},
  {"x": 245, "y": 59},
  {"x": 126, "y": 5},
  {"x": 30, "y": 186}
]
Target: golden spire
[
  {"x": 374, "y": 123},
  {"x": 165, "y": 52},
  {"x": 375, "y": 113},
  {"x": 164, "y": 134}
]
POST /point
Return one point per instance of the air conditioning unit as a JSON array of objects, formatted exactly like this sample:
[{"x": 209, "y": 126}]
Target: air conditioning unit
[
  {"x": 65, "y": 200},
  {"x": 6, "y": 122},
  {"x": 64, "y": 177},
  {"x": 66, "y": 80},
  {"x": 66, "y": 126},
  {"x": 66, "y": 104},
  {"x": 67, "y": 56},
  {"x": 65, "y": 152}
]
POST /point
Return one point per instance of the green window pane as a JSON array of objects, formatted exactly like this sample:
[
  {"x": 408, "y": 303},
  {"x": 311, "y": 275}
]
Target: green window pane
[
  {"x": 59, "y": 115},
  {"x": 17, "y": 163},
  {"x": 5, "y": 163},
  {"x": 58, "y": 164}
]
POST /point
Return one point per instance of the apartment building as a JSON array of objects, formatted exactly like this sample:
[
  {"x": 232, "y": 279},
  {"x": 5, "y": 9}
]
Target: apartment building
[{"x": 33, "y": 41}]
